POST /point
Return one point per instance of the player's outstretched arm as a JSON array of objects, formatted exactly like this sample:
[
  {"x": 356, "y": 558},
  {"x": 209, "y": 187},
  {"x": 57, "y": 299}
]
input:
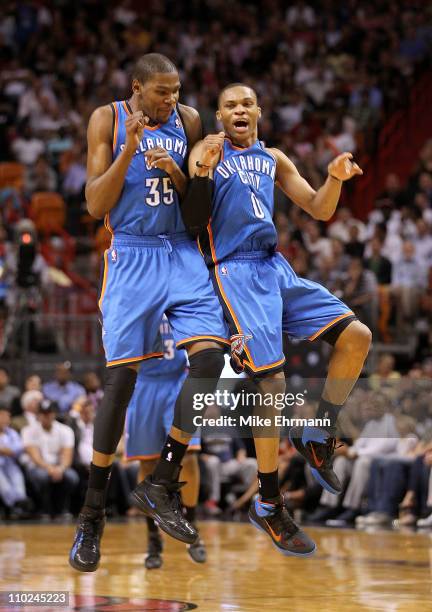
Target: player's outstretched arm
[
  {"x": 319, "y": 204},
  {"x": 105, "y": 179}
]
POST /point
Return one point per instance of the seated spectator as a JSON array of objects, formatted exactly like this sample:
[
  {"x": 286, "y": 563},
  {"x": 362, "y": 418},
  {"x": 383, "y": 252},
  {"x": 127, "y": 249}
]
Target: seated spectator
[
  {"x": 389, "y": 475},
  {"x": 225, "y": 459},
  {"x": 378, "y": 263},
  {"x": 360, "y": 292},
  {"x": 93, "y": 388},
  {"x": 63, "y": 390},
  {"x": 8, "y": 392},
  {"x": 382, "y": 268},
  {"x": 40, "y": 177},
  {"x": 32, "y": 383},
  {"x": 30, "y": 403},
  {"x": 385, "y": 379},
  {"x": 12, "y": 486},
  {"x": 416, "y": 506},
  {"x": 26, "y": 147},
  {"x": 352, "y": 463},
  {"x": 49, "y": 449},
  {"x": 408, "y": 281},
  {"x": 354, "y": 246}
]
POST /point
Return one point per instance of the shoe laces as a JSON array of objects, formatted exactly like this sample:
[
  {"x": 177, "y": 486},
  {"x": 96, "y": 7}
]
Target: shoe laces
[
  {"x": 281, "y": 521},
  {"x": 325, "y": 450},
  {"x": 89, "y": 529},
  {"x": 173, "y": 489}
]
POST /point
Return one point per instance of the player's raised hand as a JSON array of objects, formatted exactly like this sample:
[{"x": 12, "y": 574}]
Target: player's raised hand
[
  {"x": 343, "y": 168},
  {"x": 211, "y": 149},
  {"x": 134, "y": 125},
  {"x": 158, "y": 157}
]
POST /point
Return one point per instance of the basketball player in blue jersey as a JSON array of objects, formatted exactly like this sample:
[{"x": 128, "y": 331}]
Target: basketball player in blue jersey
[
  {"x": 230, "y": 201},
  {"x": 135, "y": 179},
  {"x": 148, "y": 420}
]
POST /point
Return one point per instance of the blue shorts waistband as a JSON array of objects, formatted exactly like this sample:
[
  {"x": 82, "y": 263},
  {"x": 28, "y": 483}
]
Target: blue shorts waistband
[{"x": 161, "y": 240}]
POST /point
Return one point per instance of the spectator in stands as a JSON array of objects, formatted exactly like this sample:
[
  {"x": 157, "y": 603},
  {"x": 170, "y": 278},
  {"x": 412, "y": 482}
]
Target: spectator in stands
[
  {"x": 408, "y": 281},
  {"x": 32, "y": 383},
  {"x": 388, "y": 476},
  {"x": 378, "y": 264},
  {"x": 30, "y": 403},
  {"x": 378, "y": 437},
  {"x": 93, "y": 388},
  {"x": 416, "y": 506},
  {"x": 26, "y": 147},
  {"x": 8, "y": 392},
  {"x": 12, "y": 485},
  {"x": 360, "y": 292},
  {"x": 63, "y": 389},
  {"x": 354, "y": 246},
  {"x": 225, "y": 459},
  {"x": 49, "y": 447},
  {"x": 423, "y": 244},
  {"x": 394, "y": 192},
  {"x": 385, "y": 379},
  {"x": 40, "y": 177}
]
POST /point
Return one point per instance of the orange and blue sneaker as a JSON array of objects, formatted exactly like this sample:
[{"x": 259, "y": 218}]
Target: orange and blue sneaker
[
  {"x": 317, "y": 447},
  {"x": 273, "y": 518}
]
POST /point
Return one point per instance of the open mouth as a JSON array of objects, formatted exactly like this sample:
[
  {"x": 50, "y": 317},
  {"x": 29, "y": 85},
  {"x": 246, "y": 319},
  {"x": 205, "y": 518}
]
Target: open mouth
[{"x": 241, "y": 125}]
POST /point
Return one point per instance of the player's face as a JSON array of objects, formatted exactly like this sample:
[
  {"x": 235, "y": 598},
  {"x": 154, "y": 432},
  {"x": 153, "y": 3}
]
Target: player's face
[
  {"x": 158, "y": 96},
  {"x": 239, "y": 113}
]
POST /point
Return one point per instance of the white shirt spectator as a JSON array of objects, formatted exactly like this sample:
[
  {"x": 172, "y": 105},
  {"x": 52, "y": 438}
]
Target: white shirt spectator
[
  {"x": 51, "y": 442},
  {"x": 378, "y": 437}
]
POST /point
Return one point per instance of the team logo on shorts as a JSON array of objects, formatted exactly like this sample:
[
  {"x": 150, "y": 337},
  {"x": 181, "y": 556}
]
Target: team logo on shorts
[
  {"x": 114, "y": 255},
  {"x": 238, "y": 343},
  {"x": 224, "y": 271}
]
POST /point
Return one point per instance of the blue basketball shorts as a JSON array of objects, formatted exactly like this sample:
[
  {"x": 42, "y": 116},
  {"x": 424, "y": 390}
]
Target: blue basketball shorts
[
  {"x": 150, "y": 415},
  {"x": 145, "y": 277},
  {"x": 262, "y": 297}
]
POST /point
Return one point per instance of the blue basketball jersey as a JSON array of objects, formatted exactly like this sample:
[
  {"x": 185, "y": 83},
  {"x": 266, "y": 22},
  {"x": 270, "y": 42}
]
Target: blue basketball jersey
[
  {"x": 148, "y": 204},
  {"x": 243, "y": 202},
  {"x": 174, "y": 360}
]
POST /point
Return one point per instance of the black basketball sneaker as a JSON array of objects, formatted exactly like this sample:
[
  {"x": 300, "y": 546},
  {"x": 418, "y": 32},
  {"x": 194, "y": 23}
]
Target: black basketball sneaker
[
  {"x": 153, "y": 558},
  {"x": 317, "y": 447},
  {"x": 162, "y": 503},
  {"x": 197, "y": 551},
  {"x": 273, "y": 518},
  {"x": 85, "y": 552}
]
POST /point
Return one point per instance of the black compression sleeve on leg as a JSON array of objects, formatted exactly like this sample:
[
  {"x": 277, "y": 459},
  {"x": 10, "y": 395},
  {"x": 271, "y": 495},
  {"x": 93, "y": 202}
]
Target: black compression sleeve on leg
[
  {"x": 110, "y": 417},
  {"x": 196, "y": 205},
  {"x": 206, "y": 367}
]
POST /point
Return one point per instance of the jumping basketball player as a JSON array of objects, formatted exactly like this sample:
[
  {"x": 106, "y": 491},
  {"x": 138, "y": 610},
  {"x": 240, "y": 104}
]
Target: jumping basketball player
[
  {"x": 234, "y": 179},
  {"x": 136, "y": 151}
]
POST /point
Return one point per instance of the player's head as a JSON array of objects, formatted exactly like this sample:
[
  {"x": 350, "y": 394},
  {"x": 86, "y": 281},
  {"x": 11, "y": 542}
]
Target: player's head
[
  {"x": 239, "y": 112},
  {"x": 156, "y": 86}
]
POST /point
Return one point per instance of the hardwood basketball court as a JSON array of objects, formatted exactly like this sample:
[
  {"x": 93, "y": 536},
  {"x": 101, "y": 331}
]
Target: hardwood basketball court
[{"x": 351, "y": 570}]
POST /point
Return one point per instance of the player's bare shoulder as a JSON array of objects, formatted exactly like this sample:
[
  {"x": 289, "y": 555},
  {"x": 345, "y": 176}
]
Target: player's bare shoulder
[
  {"x": 101, "y": 123},
  {"x": 283, "y": 162},
  {"x": 192, "y": 123}
]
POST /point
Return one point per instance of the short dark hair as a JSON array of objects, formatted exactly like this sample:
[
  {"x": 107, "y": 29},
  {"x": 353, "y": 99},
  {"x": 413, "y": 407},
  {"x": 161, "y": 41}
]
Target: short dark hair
[
  {"x": 231, "y": 85},
  {"x": 150, "y": 64}
]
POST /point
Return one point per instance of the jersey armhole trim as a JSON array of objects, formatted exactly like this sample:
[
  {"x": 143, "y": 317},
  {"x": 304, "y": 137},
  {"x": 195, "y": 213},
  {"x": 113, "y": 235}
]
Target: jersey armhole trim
[{"x": 115, "y": 125}]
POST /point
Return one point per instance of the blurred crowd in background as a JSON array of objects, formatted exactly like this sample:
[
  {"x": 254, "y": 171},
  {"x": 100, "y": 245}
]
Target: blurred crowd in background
[{"x": 328, "y": 75}]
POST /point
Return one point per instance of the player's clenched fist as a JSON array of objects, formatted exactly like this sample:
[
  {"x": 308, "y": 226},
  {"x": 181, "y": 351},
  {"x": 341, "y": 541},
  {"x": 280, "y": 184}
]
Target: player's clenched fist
[
  {"x": 134, "y": 125},
  {"x": 211, "y": 149},
  {"x": 160, "y": 158},
  {"x": 343, "y": 168}
]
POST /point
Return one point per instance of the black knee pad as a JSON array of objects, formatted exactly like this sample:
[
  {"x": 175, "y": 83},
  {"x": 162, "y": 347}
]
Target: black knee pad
[
  {"x": 110, "y": 417},
  {"x": 208, "y": 363},
  {"x": 206, "y": 367}
]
